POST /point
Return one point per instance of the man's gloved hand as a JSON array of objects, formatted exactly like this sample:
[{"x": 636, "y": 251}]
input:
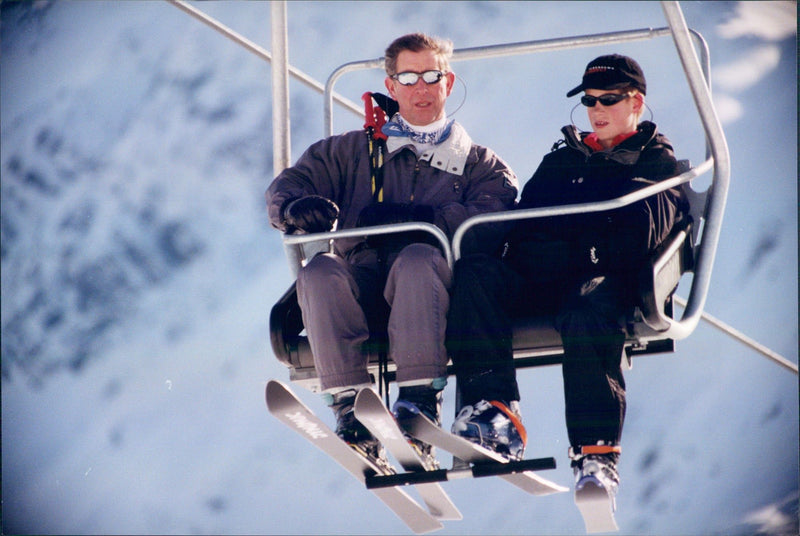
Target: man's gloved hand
[
  {"x": 387, "y": 213},
  {"x": 310, "y": 214}
]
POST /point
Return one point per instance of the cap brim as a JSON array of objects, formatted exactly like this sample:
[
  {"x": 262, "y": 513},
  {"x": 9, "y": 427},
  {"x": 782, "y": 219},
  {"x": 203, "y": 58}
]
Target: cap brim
[{"x": 575, "y": 91}]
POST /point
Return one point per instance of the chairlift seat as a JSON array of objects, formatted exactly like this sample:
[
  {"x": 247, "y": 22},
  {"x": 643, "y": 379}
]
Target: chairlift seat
[{"x": 535, "y": 341}]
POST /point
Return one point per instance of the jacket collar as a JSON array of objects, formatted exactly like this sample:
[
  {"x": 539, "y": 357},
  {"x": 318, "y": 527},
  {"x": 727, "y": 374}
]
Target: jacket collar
[
  {"x": 450, "y": 155},
  {"x": 627, "y": 152}
]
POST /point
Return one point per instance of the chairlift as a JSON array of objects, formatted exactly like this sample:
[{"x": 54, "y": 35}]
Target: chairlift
[{"x": 652, "y": 328}]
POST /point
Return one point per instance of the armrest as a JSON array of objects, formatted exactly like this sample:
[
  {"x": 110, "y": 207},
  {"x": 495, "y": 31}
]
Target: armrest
[{"x": 661, "y": 274}]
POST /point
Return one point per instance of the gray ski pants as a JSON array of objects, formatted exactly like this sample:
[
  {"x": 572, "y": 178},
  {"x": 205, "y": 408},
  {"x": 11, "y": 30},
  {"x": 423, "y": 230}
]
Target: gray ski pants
[{"x": 337, "y": 296}]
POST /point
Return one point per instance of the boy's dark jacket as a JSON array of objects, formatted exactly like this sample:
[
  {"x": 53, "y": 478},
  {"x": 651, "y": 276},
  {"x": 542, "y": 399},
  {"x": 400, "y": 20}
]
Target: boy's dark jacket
[{"x": 593, "y": 243}]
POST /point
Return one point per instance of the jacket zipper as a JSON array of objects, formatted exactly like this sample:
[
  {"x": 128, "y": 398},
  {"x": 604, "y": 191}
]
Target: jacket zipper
[{"x": 414, "y": 180}]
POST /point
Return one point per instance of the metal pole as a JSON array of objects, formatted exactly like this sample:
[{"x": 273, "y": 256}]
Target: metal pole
[
  {"x": 719, "y": 150},
  {"x": 281, "y": 126},
  {"x": 741, "y": 337},
  {"x": 494, "y": 51},
  {"x": 281, "y": 120},
  {"x": 239, "y": 39}
]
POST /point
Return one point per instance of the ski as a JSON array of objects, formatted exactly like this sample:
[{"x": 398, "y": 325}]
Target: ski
[
  {"x": 284, "y": 404},
  {"x": 423, "y": 429},
  {"x": 596, "y": 506},
  {"x": 373, "y": 414}
]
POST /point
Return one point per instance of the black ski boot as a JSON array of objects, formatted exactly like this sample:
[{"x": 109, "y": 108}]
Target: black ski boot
[
  {"x": 424, "y": 399},
  {"x": 355, "y": 434}
]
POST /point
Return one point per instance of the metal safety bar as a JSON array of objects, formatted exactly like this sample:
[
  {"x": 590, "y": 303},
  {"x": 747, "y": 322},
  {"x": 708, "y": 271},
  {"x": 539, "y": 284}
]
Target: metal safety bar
[
  {"x": 514, "y": 49},
  {"x": 578, "y": 208},
  {"x": 697, "y": 72},
  {"x": 323, "y": 239},
  {"x": 676, "y": 330}
]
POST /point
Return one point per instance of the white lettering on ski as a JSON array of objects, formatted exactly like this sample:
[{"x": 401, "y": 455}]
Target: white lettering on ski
[{"x": 302, "y": 423}]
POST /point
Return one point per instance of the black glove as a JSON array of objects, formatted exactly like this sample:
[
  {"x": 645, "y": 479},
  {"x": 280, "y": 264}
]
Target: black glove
[
  {"x": 386, "y": 213},
  {"x": 310, "y": 214}
]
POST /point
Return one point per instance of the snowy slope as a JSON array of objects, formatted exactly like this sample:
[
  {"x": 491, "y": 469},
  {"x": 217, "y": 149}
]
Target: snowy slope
[{"x": 138, "y": 269}]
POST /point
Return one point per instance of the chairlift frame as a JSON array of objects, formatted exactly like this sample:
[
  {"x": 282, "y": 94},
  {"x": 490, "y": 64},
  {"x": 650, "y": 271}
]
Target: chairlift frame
[{"x": 652, "y": 329}]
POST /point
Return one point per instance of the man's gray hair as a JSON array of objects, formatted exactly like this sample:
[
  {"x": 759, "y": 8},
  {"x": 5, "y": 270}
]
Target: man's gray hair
[{"x": 417, "y": 42}]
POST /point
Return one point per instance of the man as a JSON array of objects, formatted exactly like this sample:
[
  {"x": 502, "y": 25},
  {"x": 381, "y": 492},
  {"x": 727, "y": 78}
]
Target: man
[{"x": 432, "y": 172}]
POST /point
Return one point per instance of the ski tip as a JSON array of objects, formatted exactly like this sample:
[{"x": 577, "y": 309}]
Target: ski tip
[
  {"x": 368, "y": 393},
  {"x": 596, "y": 508},
  {"x": 271, "y": 386},
  {"x": 274, "y": 389}
]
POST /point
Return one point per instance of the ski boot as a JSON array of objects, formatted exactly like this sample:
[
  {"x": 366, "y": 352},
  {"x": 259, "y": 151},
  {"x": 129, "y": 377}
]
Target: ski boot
[
  {"x": 494, "y": 425},
  {"x": 595, "y": 468},
  {"x": 416, "y": 399},
  {"x": 355, "y": 434}
]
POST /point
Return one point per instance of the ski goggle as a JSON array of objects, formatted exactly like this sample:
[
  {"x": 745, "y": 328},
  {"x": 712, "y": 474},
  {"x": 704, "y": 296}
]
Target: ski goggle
[
  {"x": 409, "y": 78},
  {"x": 609, "y": 99}
]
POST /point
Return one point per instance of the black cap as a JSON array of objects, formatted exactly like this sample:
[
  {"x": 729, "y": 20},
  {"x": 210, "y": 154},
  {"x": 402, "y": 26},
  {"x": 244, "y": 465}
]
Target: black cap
[{"x": 612, "y": 72}]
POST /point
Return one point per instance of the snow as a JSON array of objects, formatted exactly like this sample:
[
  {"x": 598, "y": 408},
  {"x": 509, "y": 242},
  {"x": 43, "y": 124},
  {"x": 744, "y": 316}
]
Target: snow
[{"x": 138, "y": 269}]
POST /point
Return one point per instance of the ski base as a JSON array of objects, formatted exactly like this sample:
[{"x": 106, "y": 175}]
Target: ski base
[
  {"x": 596, "y": 506},
  {"x": 423, "y": 429},
  {"x": 476, "y": 471},
  {"x": 283, "y": 404},
  {"x": 373, "y": 414}
]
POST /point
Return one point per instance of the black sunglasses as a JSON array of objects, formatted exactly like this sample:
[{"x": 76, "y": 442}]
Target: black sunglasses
[
  {"x": 609, "y": 99},
  {"x": 409, "y": 78}
]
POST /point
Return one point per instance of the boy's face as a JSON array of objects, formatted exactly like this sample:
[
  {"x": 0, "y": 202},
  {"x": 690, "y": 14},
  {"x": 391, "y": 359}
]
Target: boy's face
[{"x": 611, "y": 121}]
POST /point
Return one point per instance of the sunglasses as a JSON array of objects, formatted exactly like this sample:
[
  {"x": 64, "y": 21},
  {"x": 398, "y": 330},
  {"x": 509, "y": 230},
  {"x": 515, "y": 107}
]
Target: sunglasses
[
  {"x": 409, "y": 78},
  {"x": 609, "y": 99}
]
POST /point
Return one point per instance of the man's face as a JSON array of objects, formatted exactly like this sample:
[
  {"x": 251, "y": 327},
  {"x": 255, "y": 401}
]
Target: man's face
[{"x": 420, "y": 104}]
